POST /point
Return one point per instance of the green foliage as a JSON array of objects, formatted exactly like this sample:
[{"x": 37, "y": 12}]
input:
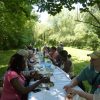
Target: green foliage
[
  {"x": 4, "y": 60},
  {"x": 52, "y": 42},
  {"x": 16, "y": 23},
  {"x": 71, "y": 32},
  {"x": 55, "y": 6}
]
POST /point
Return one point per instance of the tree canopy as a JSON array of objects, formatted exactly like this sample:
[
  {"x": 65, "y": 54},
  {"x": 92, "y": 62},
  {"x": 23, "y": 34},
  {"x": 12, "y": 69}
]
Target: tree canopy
[
  {"x": 51, "y": 6},
  {"x": 54, "y": 6},
  {"x": 18, "y": 21}
]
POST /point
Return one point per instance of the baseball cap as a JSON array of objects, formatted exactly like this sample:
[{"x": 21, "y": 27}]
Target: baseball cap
[
  {"x": 23, "y": 52},
  {"x": 94, "y": 55}
]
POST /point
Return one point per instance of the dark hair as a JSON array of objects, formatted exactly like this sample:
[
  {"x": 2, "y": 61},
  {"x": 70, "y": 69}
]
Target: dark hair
[
  {"x": 29, "y": 47},
  {"x": 48, "y": 48},
  {"x": 16, "y": 63},
  {"x": 63, "y": 54},
  {"x": 53, "y": 48},
  {"x": 69, "y": 56}
]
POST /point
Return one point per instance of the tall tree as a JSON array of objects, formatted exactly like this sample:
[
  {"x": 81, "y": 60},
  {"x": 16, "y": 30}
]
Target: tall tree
[
  {"x": 16, "y": 22},
  {"x": 54, "y": 6}
]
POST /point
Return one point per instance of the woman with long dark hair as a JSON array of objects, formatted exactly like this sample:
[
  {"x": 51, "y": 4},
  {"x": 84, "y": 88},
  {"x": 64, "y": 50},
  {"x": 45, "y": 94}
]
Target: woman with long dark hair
[{"x": 14, "y": 81}]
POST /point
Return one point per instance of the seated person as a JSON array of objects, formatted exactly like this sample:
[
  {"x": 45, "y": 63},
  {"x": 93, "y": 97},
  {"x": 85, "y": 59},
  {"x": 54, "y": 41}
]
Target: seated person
[
  {"x": 29, "y": 62},
  {"x": 87, "y": 96},
  {"x": 68, "y": 67},
  {"x": 66, "y": 63},
  {"x": 29, "y": 57},
  {"x": 90, "y": 73},
  {"x": 46, "y": 51},
  {"x": 30, "y": 46},
  {"x": 14, "y": 81},
  {"x": 54, "y": 56},
  {"x": 60, "y": 47},
  {"x": 53, "y": 52}
]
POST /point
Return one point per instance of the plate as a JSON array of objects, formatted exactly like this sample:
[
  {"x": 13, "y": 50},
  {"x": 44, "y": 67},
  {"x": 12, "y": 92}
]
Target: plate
[{"x": 45, "y": 85}]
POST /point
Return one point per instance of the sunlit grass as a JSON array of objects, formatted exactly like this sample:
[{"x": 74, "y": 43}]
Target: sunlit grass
[
  {"x": 78, "y": 53},
  {"x": 80, "y": 61},
  {"x": 79, "y": 58}
]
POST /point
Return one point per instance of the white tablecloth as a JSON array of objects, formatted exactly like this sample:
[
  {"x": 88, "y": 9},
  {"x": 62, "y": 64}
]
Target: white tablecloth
[{"x": 60, "y": 79}]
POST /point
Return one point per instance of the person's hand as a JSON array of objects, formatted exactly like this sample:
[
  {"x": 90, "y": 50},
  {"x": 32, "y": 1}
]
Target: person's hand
[
  {"x": 70, "y": 93},
  {"x": 67, "y": 87},
  {"x": 45, "y": 80},
  {"x": 48, "y": 56},
  {"x": 36, "y": 75},
  {"x": 69, "y": 97}
]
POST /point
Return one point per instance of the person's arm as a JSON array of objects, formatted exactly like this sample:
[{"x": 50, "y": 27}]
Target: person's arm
[
  {"x": 56, "y": 62},
  {"x": 81, "y": 77},
  {"x": 73, "y": 83},
  {"x": 32, "y": 74},
  {"x": 83, "y": 94},
  {"x": 22, "y": 89}
]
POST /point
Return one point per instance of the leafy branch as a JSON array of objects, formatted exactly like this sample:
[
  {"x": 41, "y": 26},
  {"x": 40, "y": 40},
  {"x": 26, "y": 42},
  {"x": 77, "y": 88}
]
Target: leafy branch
[{"x": 88, "y": 23}]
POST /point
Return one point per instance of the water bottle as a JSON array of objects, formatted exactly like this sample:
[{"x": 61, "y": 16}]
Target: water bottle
[
  {"x": 41, "y": 57},
  {"x": 97, "y": 93}
]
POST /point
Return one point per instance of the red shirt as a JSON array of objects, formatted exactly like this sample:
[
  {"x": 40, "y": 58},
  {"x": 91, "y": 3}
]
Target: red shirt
[{"x": 10, "y": 93}]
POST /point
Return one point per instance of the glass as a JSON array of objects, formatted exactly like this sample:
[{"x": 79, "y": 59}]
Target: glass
[{"x": 96, "y": 95}]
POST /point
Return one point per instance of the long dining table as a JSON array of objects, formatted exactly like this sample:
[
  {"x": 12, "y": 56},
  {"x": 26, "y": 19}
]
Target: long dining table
[{"x": 56, "y": 92}]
